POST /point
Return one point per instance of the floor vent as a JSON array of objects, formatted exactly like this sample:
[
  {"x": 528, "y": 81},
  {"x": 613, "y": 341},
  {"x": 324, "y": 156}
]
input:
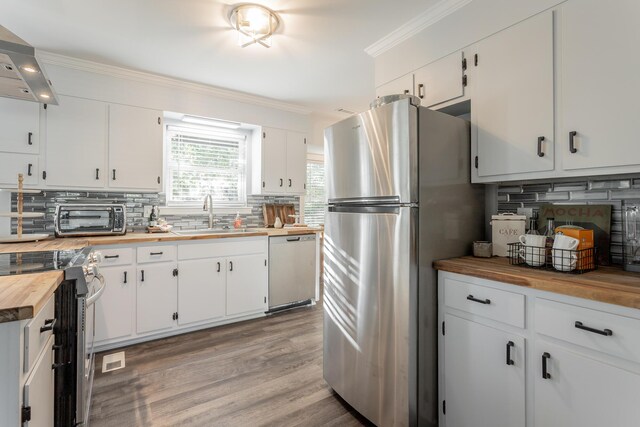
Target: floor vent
[{"x": 113, "y": 362}]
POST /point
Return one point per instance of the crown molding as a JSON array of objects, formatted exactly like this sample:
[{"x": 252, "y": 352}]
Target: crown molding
[
  {"x": 421, "y": 22},
  {"x": 145, "y": 77}
]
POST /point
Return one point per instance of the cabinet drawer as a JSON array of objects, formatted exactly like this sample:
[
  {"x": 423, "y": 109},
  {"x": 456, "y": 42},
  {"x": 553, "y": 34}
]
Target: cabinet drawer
[
  {"x": 113, "y": 257},
  {"x": 609, "y": 333},
  {"x": 495, "y": 304},
  {"x": 156, "y": 254},
  {"x": 34, "y": 339}
]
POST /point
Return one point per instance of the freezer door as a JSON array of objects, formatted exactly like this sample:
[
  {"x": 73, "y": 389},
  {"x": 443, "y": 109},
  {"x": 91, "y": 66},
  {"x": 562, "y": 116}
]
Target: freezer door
[
  {"x": 370, "y": 281},
  {"x": 374, "y": 155}
]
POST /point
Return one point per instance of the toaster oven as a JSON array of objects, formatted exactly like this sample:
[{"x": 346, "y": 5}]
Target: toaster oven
[{"x": 90, "y": 219}]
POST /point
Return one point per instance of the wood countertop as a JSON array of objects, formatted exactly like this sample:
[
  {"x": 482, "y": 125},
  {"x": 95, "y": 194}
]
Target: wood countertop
[
  {"x": 70, "y": 243},
  {"x": 606, "y": 284},
  {"x": 23, "y": 295}
]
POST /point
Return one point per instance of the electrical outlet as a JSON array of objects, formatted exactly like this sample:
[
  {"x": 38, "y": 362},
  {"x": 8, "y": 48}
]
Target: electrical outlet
[{"x": 146, "y": 211}]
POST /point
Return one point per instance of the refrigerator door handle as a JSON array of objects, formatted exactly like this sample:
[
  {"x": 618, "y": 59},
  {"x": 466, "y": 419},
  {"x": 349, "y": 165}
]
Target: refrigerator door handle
[{"x": 357, "y": 209}]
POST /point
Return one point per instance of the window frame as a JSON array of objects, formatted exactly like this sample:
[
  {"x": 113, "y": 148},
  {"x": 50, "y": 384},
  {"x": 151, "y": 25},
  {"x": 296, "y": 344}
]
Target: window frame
[
  {"x": 311, "y": 158},
  {"x": 235, "y": 135}
]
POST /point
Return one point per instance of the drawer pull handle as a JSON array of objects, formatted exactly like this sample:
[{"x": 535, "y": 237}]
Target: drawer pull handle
[
  {"x": 572, "y": 143},
  {"x": 545, "y": 373},
  {"x": 125, "y": 278},
  {"x": 49, "y": 324},
  {"x": 155, "y": 253},
  {"x": 142, "y": 274},
  {"x": 510, "y": 361},
  {"x": 218, "y": 267},
  {"x": 484, "y": 301},
  {"x": 605, "y": 332},
  {"x": 111, "y": 256},
  {"x": 540, "y": 141}
]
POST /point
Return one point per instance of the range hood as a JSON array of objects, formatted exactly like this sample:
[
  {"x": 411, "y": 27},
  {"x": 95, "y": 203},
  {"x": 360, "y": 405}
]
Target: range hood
[{"x": 21, "y": 76}]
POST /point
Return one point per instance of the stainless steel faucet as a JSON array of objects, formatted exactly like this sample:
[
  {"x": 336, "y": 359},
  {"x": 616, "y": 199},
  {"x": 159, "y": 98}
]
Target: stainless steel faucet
[{"x": 208, "y": 206}]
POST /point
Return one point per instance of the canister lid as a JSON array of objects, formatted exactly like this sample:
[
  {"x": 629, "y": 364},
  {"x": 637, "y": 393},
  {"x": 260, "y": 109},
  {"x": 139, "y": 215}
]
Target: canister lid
[{"x": 509, "y": 217}]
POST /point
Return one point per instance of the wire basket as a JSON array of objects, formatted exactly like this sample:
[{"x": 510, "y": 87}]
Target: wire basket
[{"x": 563, "y": 260}]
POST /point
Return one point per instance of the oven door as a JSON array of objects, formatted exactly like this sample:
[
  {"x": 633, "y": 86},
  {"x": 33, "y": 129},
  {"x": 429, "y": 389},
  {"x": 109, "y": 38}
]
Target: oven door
[{"x": 86, "y": 363}]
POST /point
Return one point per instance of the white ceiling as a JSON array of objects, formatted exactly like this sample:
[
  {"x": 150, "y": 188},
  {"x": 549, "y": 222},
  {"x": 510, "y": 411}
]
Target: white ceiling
[{"x": 317, "y": 59}]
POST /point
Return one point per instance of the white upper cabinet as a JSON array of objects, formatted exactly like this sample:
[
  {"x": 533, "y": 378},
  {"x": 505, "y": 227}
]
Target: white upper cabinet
[
  {"x": 279, "y": 162},
  {"x": 599, "y": 67},
  {"x": 512, "y": 100},
  {"x": 402, "y": 85},
  {"x": 20, "y": 125},
  {"x": 135, "y": 148},
  {"x": 76, "y": 143},
  {"x": 12, "y": 164},
  {"x": 296, "y": 162},
  {"x": 440, "y": 81}
]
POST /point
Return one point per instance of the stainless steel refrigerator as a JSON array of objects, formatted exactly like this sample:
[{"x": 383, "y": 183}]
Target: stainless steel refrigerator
[{"x": 399, "y": 193}]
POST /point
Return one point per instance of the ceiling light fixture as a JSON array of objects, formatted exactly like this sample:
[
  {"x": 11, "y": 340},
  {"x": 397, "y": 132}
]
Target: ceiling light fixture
[
  {"x": 30, "y": 69},
  {"x": 211, "y": 122},
  {"x": 44, "y": 96},
  {"x": 254, "y": 23}
]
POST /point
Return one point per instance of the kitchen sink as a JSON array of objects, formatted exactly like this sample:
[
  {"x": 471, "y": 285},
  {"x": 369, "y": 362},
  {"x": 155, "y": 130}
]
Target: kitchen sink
[{"x": 206, "y": 231}]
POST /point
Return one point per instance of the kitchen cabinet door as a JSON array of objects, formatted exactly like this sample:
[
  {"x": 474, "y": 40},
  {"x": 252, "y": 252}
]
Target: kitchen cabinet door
[
  {"x": 201, "y": 290},
  {"x": 598, "y": 68},
  {"x": 76, "y": 143},
  {"x": 296, "y": 162},
  {"x": 401, "y": 85},
  {"x": 39, "y": 390},
  {"x": 114, "y": 309},
  {"x": 19, "y": 126},
  {"x": 135, "y": 148},
  {"x": 440, "y": 81},
  {"x": 274, "y": 160},
  {"x": 583, "y": 392},
  {"x": 12, "y": 164},
  {"x": 247, "y": 284},
  {"x": 156, "y": 297},
  {"x": 481, "y": 388},
  {"x": 512, "y": 100}
]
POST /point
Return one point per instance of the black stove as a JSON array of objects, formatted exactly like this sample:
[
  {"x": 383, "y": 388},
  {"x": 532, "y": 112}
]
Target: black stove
[{"x": 35, "y": 262}]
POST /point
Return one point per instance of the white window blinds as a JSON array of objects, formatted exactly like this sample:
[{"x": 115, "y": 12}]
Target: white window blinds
[
  {"x": 314, "y": 200},
  {"x": 201, "y": 162}
]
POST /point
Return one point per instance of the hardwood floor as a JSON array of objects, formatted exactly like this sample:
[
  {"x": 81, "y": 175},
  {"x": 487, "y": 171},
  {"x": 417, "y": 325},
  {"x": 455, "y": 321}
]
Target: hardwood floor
[{"x": 264, "y": 372}]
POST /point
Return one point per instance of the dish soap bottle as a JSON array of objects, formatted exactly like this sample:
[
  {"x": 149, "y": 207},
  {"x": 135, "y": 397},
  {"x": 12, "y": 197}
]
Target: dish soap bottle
[{"x": 237, "y": 223}]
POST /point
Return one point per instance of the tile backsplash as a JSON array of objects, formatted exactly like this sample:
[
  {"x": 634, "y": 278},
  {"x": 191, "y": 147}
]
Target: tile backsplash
[
  {"x": 597, "y": 191},
  {"x": 136, "y": 221}
]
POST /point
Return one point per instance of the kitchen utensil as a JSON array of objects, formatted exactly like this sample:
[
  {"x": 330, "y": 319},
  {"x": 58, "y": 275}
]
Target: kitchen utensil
[
  {"x": 533, "y": 251},
  {"x": 564, "y": 255},
  {"x": 631, "y": 235},
  {"x": 505, "y": 229}
]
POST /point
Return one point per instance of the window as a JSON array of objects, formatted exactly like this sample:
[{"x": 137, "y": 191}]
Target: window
[
  {"x": 314, "y": 201},
  {"x": 204, "y": 161}
]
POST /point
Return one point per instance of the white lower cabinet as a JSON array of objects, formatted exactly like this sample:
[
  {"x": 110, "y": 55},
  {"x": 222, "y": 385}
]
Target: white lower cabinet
[
  {"x": 484, "y": 372},
  {"x": 165, "y": 289},
  {"x": 39, "y": 390},
  {"x": 201, "y": 290},
  {"x": 581, "y": 391},
  {"x": 156, "y": 297},
  {"x": 247, "y": 284},
  {"x": 114, "y": 309},
  {"x": 575, "y": 362}
]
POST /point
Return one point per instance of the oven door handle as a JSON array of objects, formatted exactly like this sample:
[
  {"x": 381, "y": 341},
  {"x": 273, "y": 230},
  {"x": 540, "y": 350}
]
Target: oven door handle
[{"x": 93, "y": 298}]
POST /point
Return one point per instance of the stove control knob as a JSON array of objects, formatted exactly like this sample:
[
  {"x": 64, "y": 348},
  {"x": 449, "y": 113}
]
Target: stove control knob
[{"x": 95, "y": 257}]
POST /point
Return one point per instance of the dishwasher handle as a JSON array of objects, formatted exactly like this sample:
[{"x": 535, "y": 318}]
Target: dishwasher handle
[{"x": 293, "y": 239}]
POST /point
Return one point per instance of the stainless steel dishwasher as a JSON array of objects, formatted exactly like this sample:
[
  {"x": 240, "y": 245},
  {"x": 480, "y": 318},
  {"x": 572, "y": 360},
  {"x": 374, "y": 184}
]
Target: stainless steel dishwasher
[{"x": 292, "y": 270}]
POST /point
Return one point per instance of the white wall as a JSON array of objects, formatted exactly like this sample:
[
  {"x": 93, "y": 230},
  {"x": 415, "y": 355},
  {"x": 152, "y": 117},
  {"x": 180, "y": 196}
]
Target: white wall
[
  {"x": 317, "y": 126},
  {"x": 475, "y": 21}
]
